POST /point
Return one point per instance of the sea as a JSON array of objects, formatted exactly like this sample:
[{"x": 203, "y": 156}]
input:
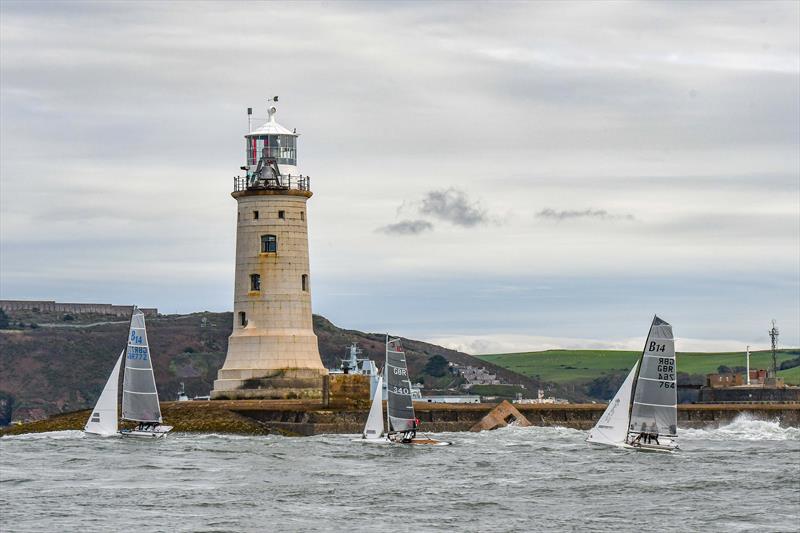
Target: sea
[{"x": 741, "y": 477}]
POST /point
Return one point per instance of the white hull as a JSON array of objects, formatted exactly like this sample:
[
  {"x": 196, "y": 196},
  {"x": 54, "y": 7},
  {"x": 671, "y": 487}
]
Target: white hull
[
  {"x": 94, "y": 435},
  {"x": 670, "y": 448},
  {"x": 382, "y": 440},
  {"x": 157, "y": 433},
  {"x": 414, "y": 442}
]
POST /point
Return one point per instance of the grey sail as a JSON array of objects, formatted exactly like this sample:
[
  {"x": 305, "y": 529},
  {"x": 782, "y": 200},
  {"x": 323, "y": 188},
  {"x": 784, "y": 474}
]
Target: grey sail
[
  {"x": 655, "y": 401},
  {"x": 398, "y": 389},
  {"x": 139, "y": 394}
]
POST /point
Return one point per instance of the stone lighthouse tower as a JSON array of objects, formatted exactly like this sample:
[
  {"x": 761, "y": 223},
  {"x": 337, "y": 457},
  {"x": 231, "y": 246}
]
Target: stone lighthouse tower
[{"x": 272, "y": 352}]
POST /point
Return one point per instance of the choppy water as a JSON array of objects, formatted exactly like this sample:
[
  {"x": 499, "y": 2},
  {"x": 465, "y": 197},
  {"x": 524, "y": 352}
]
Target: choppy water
[{"x": 743, "y": 477}]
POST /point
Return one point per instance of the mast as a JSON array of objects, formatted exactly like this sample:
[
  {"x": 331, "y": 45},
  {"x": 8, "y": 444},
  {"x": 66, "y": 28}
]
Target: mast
[
  {"x": 385, "y": 380},
  {"x": 748, "y": 364}
]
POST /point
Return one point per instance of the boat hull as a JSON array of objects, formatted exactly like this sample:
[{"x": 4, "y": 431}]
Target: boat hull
[
  {"x": 427, "y": 442},
  {"x": 159, "y": 432},
  {"x": 413, "y": 442},
  {"x": 382, "y": 440},
  {"x": 639, "y": 447}
]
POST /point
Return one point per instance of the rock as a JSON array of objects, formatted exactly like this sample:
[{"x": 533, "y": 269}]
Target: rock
[{"x": 501, "y": 416}]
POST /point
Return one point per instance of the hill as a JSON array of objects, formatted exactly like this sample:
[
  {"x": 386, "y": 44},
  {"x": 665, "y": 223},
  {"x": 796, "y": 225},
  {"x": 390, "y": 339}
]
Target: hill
[
  {"x": 58, "y": 363},
  {"x": 596, "y": 374}
]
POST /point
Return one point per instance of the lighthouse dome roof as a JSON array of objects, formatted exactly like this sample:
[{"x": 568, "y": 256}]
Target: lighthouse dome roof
[{"x": 271, "y": 127}]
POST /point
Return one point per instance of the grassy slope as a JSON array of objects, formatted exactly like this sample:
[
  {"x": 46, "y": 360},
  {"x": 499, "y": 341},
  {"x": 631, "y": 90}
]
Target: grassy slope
[{"x": 571, "y": 366}]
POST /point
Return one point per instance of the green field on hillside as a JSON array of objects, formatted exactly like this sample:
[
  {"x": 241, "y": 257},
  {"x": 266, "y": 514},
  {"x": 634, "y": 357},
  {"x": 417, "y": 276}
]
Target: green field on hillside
[{"x": 571, "y": 366}]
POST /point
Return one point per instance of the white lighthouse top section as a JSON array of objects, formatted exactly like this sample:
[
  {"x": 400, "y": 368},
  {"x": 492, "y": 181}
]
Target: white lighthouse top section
[
  {"x": 273, "y": 141},
  {"x": 271, "y": 127}
]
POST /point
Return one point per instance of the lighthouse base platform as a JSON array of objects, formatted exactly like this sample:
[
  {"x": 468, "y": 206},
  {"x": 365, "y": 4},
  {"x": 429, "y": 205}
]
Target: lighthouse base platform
[{"x": 280, "y": 384}]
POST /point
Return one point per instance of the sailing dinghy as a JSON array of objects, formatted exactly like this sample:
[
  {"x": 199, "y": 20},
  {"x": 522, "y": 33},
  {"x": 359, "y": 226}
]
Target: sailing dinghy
[
  {"x": 139, "y": 394},
  {"x": 401, "y": 420},
  {"x": 644, "y": 413}
]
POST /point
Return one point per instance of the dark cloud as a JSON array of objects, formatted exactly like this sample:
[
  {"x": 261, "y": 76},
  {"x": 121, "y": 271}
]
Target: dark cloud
[
  {"x": 407, "y": 227},
  {"x": 596, "y": 214},
  {"x": 453, "y": 206}
]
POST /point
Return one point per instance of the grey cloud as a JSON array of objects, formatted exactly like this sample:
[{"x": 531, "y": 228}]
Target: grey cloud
[
  {"x": 453, "y": 206},
  {"x": 407, "y": 227},
  {"x": 597, "y": 214}
]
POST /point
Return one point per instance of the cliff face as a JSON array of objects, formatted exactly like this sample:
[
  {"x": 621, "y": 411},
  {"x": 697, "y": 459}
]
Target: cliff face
[{"x": 61, "y": 364}]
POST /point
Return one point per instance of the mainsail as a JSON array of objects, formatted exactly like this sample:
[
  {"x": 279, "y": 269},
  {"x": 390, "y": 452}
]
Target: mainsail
[
  {"x": 139, "y": 394},
  {"x": 612, "y": 428},
  {"x": 655, "y": 400},
  {"x": 103, "y": 420},
  {"x": 398, "y": 389},
  {"x": 374, "y": 427}
]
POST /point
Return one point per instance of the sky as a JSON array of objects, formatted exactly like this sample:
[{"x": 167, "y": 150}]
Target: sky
[{"x": 494, "y": 177}]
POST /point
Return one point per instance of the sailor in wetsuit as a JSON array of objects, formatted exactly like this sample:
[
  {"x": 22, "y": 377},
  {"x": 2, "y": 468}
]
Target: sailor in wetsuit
[{"x": 409, "y": 435}]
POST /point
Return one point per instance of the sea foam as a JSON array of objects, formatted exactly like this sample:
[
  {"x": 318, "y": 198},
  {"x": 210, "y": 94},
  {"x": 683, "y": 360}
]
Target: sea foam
[{"x": 744, "y": 427}]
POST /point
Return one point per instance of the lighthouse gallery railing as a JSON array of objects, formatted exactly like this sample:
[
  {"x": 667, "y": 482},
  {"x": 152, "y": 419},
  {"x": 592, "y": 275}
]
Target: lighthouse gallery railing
[{"x": 283, "y": 182}]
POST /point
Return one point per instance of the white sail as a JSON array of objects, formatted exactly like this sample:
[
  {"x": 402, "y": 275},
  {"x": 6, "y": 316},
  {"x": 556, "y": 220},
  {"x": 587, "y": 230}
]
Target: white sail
[
  {"x": 612, "y": 428},
  {"x": 103, "y": 420},
  {"x": 374, "y": 427},
  {"x": 655, "y": 399},
  {"x": 139, "y": 394}
]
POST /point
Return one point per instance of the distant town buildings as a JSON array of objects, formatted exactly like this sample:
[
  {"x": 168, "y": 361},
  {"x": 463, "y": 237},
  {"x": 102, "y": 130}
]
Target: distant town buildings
[
  {"x": 732, "y": 387},
  {"x": 477, "y": 376},
  {"x": 758, "y": 378}
]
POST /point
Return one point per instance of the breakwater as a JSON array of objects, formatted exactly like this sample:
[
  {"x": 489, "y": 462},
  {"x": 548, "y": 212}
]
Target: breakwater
[{"x": 298, "y": 417}]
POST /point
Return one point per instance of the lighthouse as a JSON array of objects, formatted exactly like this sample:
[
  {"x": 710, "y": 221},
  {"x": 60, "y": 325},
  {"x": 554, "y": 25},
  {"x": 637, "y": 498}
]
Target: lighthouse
[{"x": 272, "y": 351}]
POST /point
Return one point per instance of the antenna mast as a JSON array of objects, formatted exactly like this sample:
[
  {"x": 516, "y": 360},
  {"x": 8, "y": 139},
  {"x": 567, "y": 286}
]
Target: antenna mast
[{"x": 773, "y": 335}]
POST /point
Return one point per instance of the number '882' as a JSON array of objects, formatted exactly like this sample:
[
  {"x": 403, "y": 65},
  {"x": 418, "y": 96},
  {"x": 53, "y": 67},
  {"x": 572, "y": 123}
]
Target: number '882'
[{"x": 137, "y": 352}]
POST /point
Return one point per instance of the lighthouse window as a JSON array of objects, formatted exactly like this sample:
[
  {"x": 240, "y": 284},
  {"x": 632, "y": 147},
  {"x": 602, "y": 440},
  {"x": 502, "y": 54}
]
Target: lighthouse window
[
  {"x": 255, "y": 215},
  {"x": 269, "y": 244},
  {"x": 242, "y": 318},
  {"x": 302, "y": 215},
  {"x": 282, "y": 214},
  {"x": 255, "y": 282},
  {"x": 304, "y": 282}
]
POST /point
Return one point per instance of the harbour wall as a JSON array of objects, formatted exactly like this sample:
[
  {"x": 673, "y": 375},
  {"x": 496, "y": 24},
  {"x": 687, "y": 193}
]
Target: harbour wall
[{"x": 302, "y": 418}]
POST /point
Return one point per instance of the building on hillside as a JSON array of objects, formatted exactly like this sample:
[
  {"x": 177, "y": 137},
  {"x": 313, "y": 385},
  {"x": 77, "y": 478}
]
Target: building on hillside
[
  {"x": 734, "y": 388},
  {"x": 49, "y": 306}
]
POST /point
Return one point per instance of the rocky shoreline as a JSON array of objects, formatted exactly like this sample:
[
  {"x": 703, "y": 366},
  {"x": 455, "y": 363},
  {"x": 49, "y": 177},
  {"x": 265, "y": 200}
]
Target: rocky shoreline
[{"x": 303, "y": 418}]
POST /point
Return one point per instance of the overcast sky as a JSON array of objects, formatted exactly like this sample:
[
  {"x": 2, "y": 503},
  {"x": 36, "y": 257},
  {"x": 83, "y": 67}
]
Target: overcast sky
[{"x": 492, "y": 176}]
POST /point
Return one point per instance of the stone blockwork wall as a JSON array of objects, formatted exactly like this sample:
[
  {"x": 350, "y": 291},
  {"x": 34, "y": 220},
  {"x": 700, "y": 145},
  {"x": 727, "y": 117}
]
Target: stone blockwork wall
[
  {"x": 347, "y": 390},
  {"x": 749, "y": 394},
  {"x": 277, "y": 333},
  {"x": 46, "y": 306}
]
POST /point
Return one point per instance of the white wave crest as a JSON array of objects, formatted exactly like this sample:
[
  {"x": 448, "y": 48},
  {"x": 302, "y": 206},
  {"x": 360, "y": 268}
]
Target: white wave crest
[
  {"x": 745, "y": 427},
  {"x": 69, "y": 434}
]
